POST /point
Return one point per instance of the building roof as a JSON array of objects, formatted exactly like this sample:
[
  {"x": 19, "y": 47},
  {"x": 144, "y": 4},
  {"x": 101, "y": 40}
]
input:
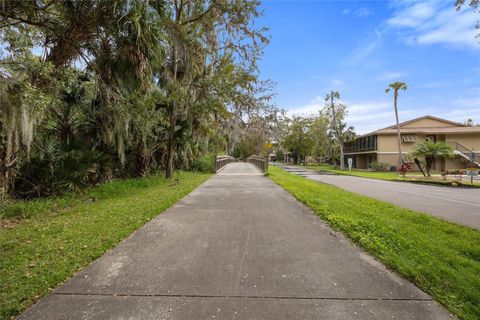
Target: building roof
[
  {"x": 450, "y": 130},
  {"x": 447, "y": 122},
  {"x": 444, "y": 126}
]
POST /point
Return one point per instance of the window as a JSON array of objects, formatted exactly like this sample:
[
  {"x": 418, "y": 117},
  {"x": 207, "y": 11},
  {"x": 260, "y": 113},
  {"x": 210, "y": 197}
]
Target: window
[{"x": 409, "y": 138}]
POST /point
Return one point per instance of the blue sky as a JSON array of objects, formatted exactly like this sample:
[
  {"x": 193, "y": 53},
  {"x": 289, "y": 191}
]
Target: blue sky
[{"x": 358, "y": 47}]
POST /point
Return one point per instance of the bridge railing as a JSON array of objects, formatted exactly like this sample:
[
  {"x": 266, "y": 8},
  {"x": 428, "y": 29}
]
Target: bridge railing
[
  {"x": 260, "y": 162},
  {"x": 222, "y": 161}
]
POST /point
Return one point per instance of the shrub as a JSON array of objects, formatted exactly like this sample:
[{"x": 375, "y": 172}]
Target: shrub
[
  {"x": 203, "y": 164},
  {"x": 379, "y": 166},
  {"x": 404, "y": 168}
]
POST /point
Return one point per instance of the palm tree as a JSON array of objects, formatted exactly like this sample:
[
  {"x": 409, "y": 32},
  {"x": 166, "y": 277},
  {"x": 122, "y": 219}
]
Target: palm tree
[
  {"x": 430, "y": 151},
  {"x": 395, "y": 86}
]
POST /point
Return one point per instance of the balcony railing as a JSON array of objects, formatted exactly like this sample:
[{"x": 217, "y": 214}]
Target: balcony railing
[
  {"x": 467, "y": 153},
  {"x": 353, "y": 149},
  {"x": 362, "y": 144}
]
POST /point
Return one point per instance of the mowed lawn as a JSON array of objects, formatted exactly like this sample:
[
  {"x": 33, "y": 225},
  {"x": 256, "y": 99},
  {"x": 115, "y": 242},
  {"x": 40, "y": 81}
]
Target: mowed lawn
[
  {"x": 388, "y": 175},
  {"x": 58, "y": 237},
  {"x": 391, "y": 175},
  {"x": 441, "y": 258}
]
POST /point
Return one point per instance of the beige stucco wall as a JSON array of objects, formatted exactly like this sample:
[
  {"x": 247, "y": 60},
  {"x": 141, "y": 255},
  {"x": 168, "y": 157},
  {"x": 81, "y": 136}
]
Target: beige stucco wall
[
  {"x": 388, "y": 143},
  {"x": 455, "y": 163},
  {"x": 470, "y": 141},
  {"x": 392, "y": 159},
  {"x": 450, "y": 164},
  {"x": 361, "y": 161},
  {"x": 429, "y": 123}
]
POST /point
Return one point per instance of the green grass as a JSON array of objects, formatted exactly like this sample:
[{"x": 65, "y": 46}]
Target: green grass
[
  {"x": 64, "y": 234},
  {"x": 441, "y": 258},
  {"x": 448, "y": 183},
  {"x": 389, "y": 175}
]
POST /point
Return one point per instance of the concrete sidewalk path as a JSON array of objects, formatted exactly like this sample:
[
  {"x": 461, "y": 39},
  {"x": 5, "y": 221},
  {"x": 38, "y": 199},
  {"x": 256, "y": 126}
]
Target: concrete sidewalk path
[{"x": 238, "y": 247}]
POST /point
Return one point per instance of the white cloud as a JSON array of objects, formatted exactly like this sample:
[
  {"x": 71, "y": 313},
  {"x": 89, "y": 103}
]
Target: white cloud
[
  {"x": 413, "y": 16},
  {"x": 313, "y": 107},
  {"x": 390, "y": 75},
  {"x": 364, "y": 116},
  {"x": 359, "y": 13},
  {"x": 364, "y": 48},
  {"x": 423, "y": 23},
  {"x": 371, "y": 116},
  {"x": 467, "y": 102},
  {"x": 337, "y": 83},
  {"x": 362, "y": 12},
  {"x": 434, "y": 84},
  {"x": 461, "y": 114},
  {"x": 433, "y": 22},
  {"x": 368, "y": 116}
]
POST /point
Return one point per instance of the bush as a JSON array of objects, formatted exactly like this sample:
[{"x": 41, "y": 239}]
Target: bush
[
  {"x": 203, "y": 164},
  {"x": 404, "y": 168},
  {"x": 380, "y": 166}
]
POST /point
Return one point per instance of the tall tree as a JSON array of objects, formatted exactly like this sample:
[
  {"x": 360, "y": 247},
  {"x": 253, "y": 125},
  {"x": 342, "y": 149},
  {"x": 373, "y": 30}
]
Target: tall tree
[
  {"x": 319, "y": 130},
  {"x": 155, "y": 84},
  {"x": 396, "y": 86},
  {"x": 299, "y": 141},
  {"x": 206, "y": 37},
  {"x": 336, "y": 113}
]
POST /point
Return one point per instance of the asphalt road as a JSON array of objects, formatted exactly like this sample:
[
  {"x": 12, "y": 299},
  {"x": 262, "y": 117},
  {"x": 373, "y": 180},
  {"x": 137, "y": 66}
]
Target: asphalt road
[
  {"x": 238, "y": 247},
  {"x": 458, "y": 205}
]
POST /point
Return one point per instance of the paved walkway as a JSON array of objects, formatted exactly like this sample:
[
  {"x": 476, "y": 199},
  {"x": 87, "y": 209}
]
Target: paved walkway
[
  {"x": 238, "y": 247},
  {"x": 458, "y": 205}
]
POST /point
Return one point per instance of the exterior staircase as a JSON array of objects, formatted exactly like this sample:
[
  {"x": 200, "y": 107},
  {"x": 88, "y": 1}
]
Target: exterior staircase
[{"x": 465, "y": 153}]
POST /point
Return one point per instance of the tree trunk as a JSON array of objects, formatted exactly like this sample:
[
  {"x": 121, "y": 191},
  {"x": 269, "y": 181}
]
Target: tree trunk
[
  {"x": 417, "y": 162},
  {"x": 171, "y": 143},
  {"x": 399, "y": 138},
  {"x": 429, "y": 161},
  {"x": 145, "y": 160},
  {"x": 3, "y": 184},
  {"x": 7, "y": 172},
  {"x": 338, "y": 134},
  {"x": 342, "y": 160},
  {"x": 173, "y": 111}
]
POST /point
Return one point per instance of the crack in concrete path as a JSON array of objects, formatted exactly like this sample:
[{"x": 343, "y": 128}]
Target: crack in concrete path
[{"x": 239, "y": 297}]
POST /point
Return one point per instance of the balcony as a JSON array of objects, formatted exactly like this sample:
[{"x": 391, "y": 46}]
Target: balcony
[{"x": 362, "y": 144}]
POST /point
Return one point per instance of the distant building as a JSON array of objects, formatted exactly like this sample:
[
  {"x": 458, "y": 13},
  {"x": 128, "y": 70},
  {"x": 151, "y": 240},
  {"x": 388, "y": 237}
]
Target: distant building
[{"x": 382, "y": 146}]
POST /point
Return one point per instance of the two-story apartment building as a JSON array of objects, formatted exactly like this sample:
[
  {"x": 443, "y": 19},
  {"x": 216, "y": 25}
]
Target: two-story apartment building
[{"x": 382, "y": 145}]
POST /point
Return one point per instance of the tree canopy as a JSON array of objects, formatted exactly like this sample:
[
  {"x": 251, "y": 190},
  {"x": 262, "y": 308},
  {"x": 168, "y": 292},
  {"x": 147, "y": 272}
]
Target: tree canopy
[{"x": 92, "y": 90}]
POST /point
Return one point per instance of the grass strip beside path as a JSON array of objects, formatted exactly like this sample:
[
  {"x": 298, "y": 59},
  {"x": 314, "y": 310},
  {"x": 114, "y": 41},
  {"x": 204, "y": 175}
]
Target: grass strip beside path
[
  {"x": 380, "y": 175},
  {"x": 440, "y": 257},
  {"x": 38, "y": 254},
  {"x": 390, "y": 176}
]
